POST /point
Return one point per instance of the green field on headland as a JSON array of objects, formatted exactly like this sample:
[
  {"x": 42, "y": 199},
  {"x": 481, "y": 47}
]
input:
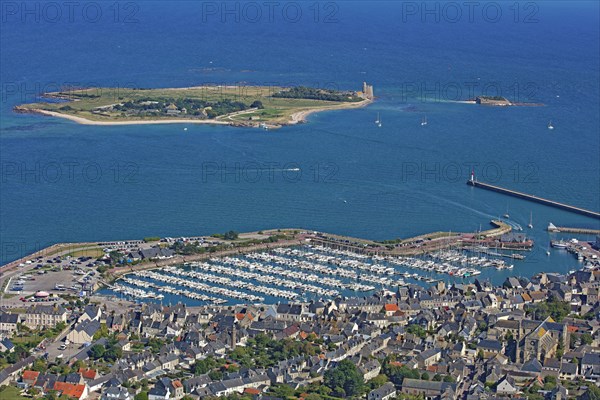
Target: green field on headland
[{"x": 265, "y": 106}]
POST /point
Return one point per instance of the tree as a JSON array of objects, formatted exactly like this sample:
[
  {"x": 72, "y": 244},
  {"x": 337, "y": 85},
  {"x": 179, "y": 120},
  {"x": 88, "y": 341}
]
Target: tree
[
  {"x": 549, "y": 382},
  {"x": 560, "y": 350},
  {"x": 215, "y": 375},
  {"x": 141, "y": 396},
  {"x": 593, "y": 392},
  {"x": 257, "y": 104},
  {"x": 115, "y": 257},
  {"x": 282, "y": 390},
  {"x": 313, "y": 396},
  {"x": 416, "y": 330},
  {"x": 113, "y": 353},
  {"x": 204, "y": 366},
  {"x": 424, "y": 376},
  {"x": 555, "y": 308},
  {"x": 39, "y": 365},
  {"x": 97, "y": 351},
  {"x": 437, "y": 378},
  {"x": 378, "y": 381},
  {"x": 480, "y": 355},
  {"x": 586, "y": 338},
  {"x": 231, "y": 235},
  {"x": 345, "y": 379},
  {"x": 397, "y": 374},
  {"x": 102, "y": 332}
]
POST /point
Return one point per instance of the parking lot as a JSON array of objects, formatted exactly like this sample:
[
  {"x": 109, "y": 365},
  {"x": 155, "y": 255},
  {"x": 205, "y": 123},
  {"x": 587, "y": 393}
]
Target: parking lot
[{"x": 54, "y": 276}]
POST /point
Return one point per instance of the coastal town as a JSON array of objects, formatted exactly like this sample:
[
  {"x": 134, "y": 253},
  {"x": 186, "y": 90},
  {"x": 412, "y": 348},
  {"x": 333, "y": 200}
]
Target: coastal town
[{"x": 245, "y": 324}]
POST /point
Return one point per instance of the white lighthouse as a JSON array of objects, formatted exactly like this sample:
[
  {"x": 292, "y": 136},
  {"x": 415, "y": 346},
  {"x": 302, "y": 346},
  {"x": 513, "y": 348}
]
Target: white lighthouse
[{"x": 472, "y": 179}]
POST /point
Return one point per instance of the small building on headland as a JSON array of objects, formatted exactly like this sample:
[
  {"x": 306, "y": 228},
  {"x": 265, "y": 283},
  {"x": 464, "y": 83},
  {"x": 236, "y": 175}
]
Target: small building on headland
[{"x": 492, "y": 101}]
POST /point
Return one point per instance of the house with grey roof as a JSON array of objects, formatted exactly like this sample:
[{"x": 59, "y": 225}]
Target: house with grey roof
[
  {"x": 507, "y": 386},
  {"x": 590, "y": 365},
  {"x": 84, "y": 332},
  {"x": 6, "y": 345},
  {"x": 10, "y": 373},
  {"x": 429, "y": 389},
  {"x": 116, "y": 393},
  {"x": 568, "y": 370},
  {"x": 490, "y": 347},
  {"x": 385, "y": 392},
  {"x": 8, "y": 322},
  {"x": 45, "y": 316},
  {"x": 370, "y": 369},
  {"x": 90, "y": 313}
]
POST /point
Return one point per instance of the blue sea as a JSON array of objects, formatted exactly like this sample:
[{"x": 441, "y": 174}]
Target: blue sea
[{"x": 339, "y": 172}]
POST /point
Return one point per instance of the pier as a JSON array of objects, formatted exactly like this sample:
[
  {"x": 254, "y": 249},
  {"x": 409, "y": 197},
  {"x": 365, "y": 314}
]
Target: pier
[
  {"x": 583, "y": 231},
  {"x": 473, "y": 182}
]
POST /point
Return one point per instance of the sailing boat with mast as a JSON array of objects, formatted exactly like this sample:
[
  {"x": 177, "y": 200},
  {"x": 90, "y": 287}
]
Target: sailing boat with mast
[
  {"x": 424, "y": 120},
  {"x": 507, "y": 215},
  {"x": 377, "y": 120},
  {"x": 530, "y": 226}
]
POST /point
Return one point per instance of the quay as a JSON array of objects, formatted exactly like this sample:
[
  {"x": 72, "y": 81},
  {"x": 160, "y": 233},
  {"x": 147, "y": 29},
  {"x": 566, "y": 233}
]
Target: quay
[
  {"x": 423, "y": 244},
  {"x": 584, "y": 231},
  {"x": 473, "y": 182},
  {"x": 584, "y": 251}
]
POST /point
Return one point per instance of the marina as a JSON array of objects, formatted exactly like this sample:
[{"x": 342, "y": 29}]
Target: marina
[{"x": 297, "y": 273}]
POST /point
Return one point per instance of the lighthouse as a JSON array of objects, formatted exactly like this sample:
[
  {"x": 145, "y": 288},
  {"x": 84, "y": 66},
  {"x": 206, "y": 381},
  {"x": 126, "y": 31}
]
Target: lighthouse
[{"x": 471, "y": 180}]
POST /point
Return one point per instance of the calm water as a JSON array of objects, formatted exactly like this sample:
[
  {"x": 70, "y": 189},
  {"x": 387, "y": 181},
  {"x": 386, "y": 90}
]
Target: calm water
[{"x": 67, "y": 182}]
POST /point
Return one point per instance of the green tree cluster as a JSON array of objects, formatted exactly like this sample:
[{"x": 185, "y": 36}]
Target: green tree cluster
[
  {"x": 303, "y": 92},
  {"x": 344, "y": 380},
  {"x": 554, "y": 308}
]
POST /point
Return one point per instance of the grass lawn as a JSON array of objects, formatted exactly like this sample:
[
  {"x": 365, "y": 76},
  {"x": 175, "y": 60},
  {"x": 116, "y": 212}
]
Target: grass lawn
[
  {"x": 12, "y": 393},
  {"x": 94, "y": 252},
  {"x": 33, "y": 339}
]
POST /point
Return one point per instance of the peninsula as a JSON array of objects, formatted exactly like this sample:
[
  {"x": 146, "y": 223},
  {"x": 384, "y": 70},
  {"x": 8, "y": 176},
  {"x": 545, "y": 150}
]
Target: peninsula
[{"x": 254, "y": 106}]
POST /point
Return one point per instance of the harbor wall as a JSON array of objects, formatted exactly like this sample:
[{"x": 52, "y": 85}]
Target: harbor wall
[{"x": 533, "y": 198}]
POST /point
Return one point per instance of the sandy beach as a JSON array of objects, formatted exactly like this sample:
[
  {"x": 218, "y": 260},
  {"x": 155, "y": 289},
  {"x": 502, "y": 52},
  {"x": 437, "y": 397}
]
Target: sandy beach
[
  {"x": 301, "y": 116},
  {"x": 85, "y": 121}
]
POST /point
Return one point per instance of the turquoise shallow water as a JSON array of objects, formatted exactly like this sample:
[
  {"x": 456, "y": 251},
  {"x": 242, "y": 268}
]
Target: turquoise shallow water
[{"x": 337, "y": 173}]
